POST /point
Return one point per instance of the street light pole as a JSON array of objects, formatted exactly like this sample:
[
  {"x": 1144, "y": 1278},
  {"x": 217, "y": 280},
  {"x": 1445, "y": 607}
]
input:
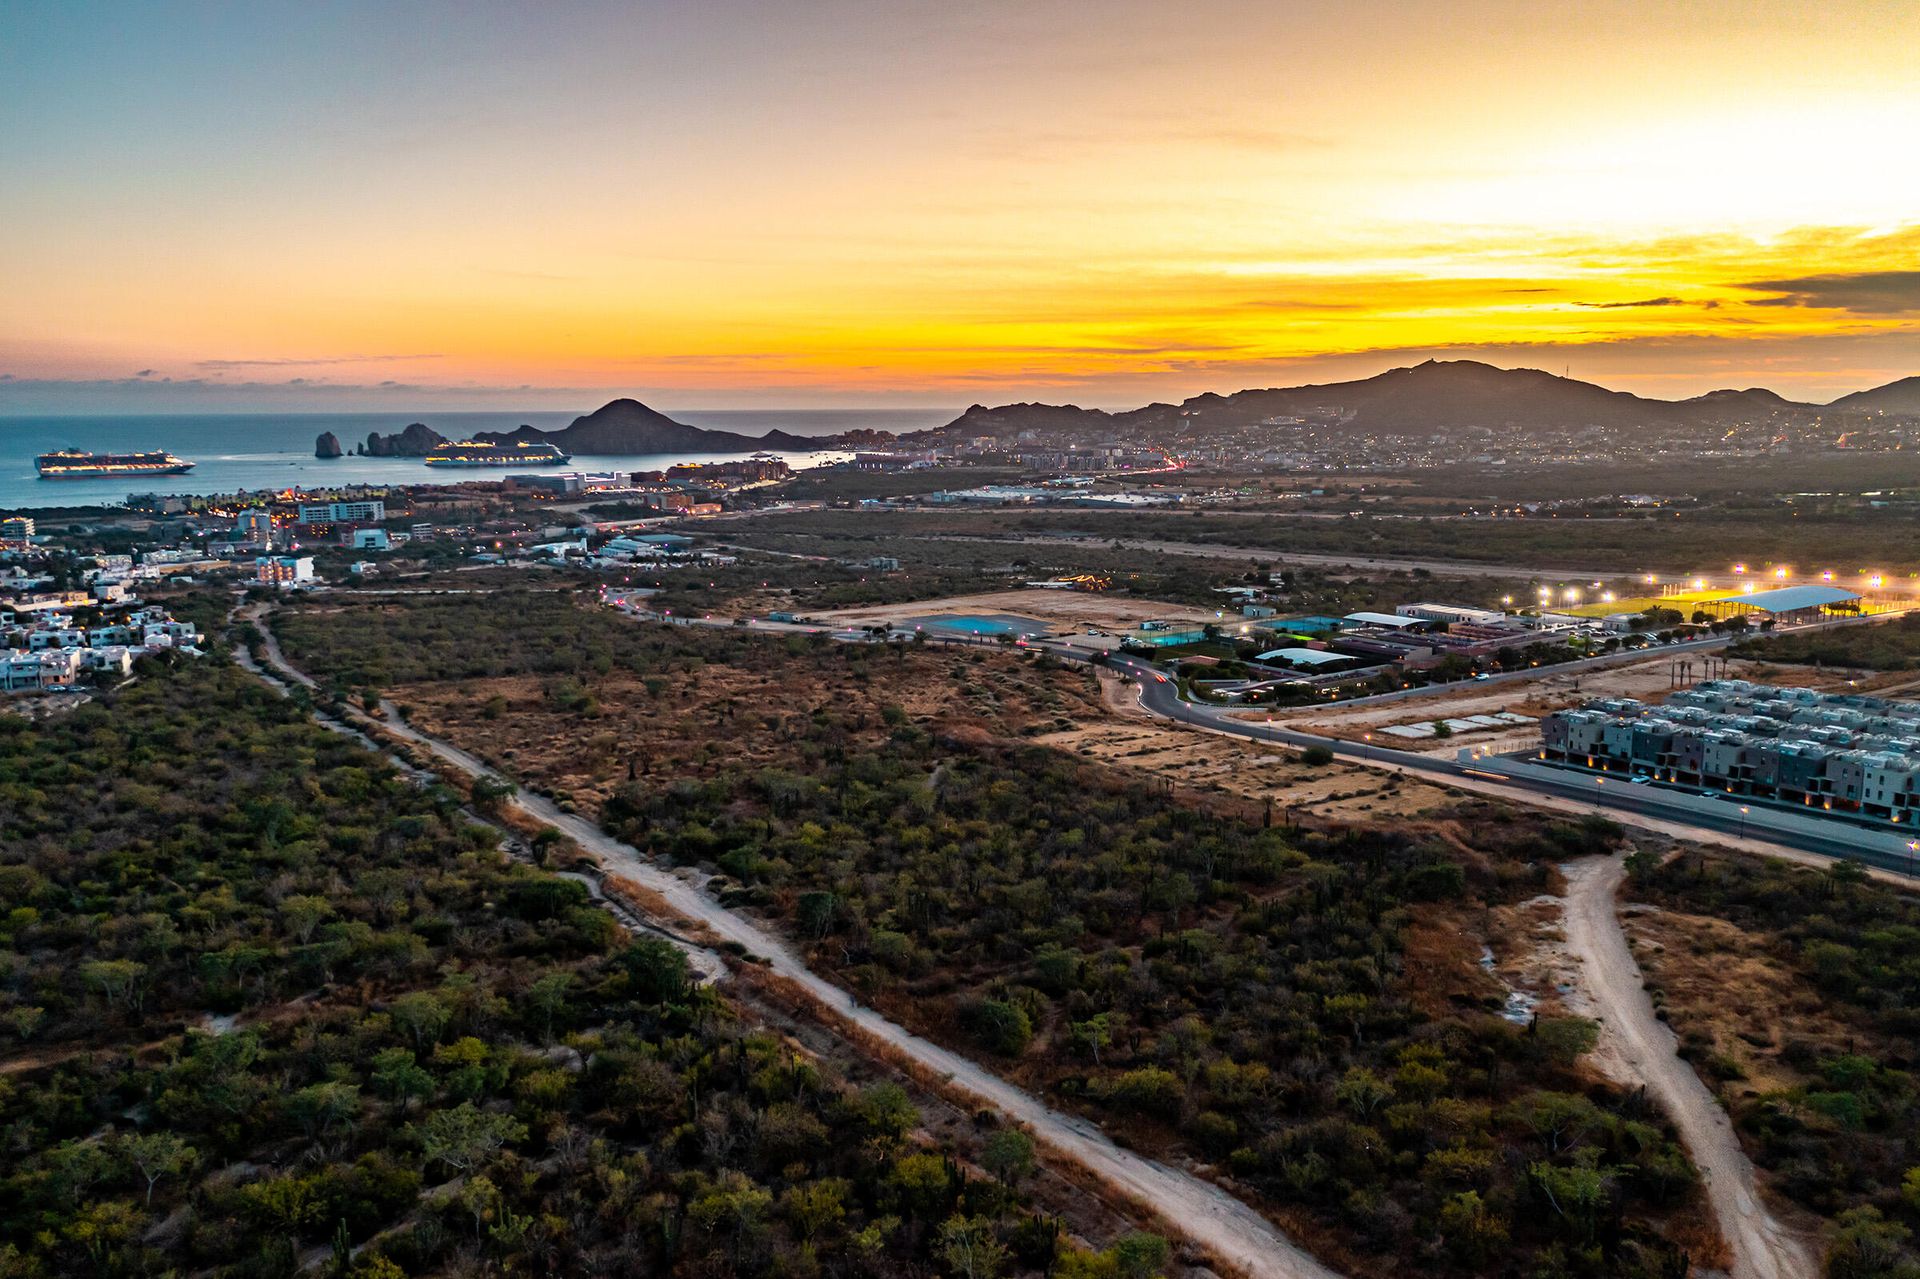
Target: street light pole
[{"x": 1743, "y": 821}]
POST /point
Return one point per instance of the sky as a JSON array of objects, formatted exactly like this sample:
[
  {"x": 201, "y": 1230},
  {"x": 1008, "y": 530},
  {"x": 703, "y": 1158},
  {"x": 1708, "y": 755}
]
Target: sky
[{"x": 901, "y": 202}]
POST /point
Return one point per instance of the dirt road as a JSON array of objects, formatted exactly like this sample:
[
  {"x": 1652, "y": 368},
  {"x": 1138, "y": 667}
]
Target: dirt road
[
  {"x": 1637, "y": 1048},
  {"x": 1204, "y": 1213}
]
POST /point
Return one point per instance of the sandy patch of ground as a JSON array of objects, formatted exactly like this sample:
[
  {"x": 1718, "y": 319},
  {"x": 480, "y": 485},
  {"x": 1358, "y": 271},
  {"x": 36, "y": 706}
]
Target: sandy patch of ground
[
  {"x": 1066, "y": 610},
  {"x": 1530, "y": 955},
  {"x": 1194, "y": 760}
]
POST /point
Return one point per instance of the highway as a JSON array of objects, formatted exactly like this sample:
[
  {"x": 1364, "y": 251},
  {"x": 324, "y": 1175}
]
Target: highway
[{"x": 1161, "y": 696}]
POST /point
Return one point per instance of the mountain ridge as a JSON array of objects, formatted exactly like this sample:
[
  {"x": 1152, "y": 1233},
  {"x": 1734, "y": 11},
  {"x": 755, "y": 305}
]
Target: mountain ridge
[
  {"x": 1899, "y": 396},
  {"x": 1419, "y": 399},
  {"x": 627, "y": 426},
  {"x": 1424, "y": 398}
]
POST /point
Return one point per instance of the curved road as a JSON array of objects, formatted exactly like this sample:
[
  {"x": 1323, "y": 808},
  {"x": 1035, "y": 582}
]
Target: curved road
[
  {"x": 1649, "y": 804},
  {"x": 1207, "y": 1215}
]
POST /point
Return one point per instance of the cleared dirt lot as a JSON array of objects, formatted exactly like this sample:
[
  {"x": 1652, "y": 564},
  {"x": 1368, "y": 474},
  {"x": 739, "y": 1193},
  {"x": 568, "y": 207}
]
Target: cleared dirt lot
[
  {"x": 1196, "y": 760},
  {"x": 1067, "y": 610}
]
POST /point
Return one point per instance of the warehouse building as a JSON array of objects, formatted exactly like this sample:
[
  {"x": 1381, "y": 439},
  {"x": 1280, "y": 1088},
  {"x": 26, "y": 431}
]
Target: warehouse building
[
  {"x": 1452, "y": 614},
  {"x": 1788, "y": 605}
]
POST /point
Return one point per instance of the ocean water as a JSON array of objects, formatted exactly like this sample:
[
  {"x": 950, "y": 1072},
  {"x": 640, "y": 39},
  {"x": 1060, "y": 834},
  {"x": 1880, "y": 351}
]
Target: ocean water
[{"x": 275, "y": 450}]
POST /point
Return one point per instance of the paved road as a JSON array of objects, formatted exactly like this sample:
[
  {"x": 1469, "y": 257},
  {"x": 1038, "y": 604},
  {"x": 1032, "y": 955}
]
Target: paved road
[
  {"x": 1162, "y": 697},
  {"x": 1206, "y": 1214},
  {"x": 1646, "y": 806},
  {"x": 1641, "y": 1049}
]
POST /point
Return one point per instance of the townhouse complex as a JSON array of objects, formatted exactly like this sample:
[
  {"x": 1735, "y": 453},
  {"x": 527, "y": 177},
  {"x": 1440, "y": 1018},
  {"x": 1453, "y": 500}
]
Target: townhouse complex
[
  {"x": 1840, "y": 752},
  {"x": 42, "y": 649}
]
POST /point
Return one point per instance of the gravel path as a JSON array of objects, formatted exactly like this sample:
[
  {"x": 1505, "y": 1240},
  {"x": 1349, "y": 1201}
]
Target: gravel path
[
  {"x": 1638, "y": 1048},
  {"x": 1204, "y": 1213}
]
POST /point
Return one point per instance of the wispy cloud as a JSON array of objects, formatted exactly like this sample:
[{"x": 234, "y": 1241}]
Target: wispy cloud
[
  {"x": 213, "y": 366},
  {"x": 1638, "y": 302},
  {"x": 1863, "y": 292}
]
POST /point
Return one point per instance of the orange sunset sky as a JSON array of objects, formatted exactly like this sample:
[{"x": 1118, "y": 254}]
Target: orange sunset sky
[{"x": 790, "y": 204}]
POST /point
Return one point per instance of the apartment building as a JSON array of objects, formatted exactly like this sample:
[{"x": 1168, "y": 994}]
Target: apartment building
[{"x": 1841, "y": 752}]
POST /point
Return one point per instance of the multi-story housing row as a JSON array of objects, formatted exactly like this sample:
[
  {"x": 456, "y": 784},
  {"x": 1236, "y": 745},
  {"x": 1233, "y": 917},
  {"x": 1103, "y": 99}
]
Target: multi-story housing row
[{"x": 1843, "y": 752}]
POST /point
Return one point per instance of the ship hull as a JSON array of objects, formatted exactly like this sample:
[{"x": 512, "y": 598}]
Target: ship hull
[
  {"x": 463, "y": 463},
  {"x": 97, "y": 472}
]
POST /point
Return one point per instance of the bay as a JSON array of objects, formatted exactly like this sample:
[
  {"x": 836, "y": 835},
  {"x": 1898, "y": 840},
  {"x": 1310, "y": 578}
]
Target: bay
[{"x": 234, "y": 452}]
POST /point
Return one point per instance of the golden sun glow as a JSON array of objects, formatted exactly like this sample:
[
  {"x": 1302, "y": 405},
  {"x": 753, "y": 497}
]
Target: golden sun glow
[{"x": 886, "y": 203}]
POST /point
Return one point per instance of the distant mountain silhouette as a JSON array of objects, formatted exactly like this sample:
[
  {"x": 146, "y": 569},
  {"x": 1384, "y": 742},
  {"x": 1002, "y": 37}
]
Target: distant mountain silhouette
[
  {"x": 628, "y": 426},
  {"x": 1902, "y": 397},
  {"x": 1754, "y": 397},
  {"x": 1434, "y": 396},
  {"x": 1011, "y": 419}
]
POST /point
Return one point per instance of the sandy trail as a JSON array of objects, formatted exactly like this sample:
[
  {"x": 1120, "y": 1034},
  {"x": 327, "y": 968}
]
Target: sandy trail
[
  {"x": 1638, "y": 1048},
  {"x": 1207, "y": 1215}
]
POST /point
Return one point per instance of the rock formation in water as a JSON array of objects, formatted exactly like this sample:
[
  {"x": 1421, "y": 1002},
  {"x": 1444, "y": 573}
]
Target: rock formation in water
[{"x": 417, "y": 440}]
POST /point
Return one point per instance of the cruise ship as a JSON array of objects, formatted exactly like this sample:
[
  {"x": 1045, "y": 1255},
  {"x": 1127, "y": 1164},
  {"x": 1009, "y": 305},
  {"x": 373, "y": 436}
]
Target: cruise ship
[
  {"x": 75, "y": 464},
  {"x": 505, "y": 453}
]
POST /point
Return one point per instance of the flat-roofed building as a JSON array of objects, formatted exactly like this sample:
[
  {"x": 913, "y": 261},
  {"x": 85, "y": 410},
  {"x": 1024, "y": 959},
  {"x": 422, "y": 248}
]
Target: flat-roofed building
[
  {"x": 1848, "y": 753},
  {"x": 1451, "y": 613},
  {"x": 283, "y": 570}
]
